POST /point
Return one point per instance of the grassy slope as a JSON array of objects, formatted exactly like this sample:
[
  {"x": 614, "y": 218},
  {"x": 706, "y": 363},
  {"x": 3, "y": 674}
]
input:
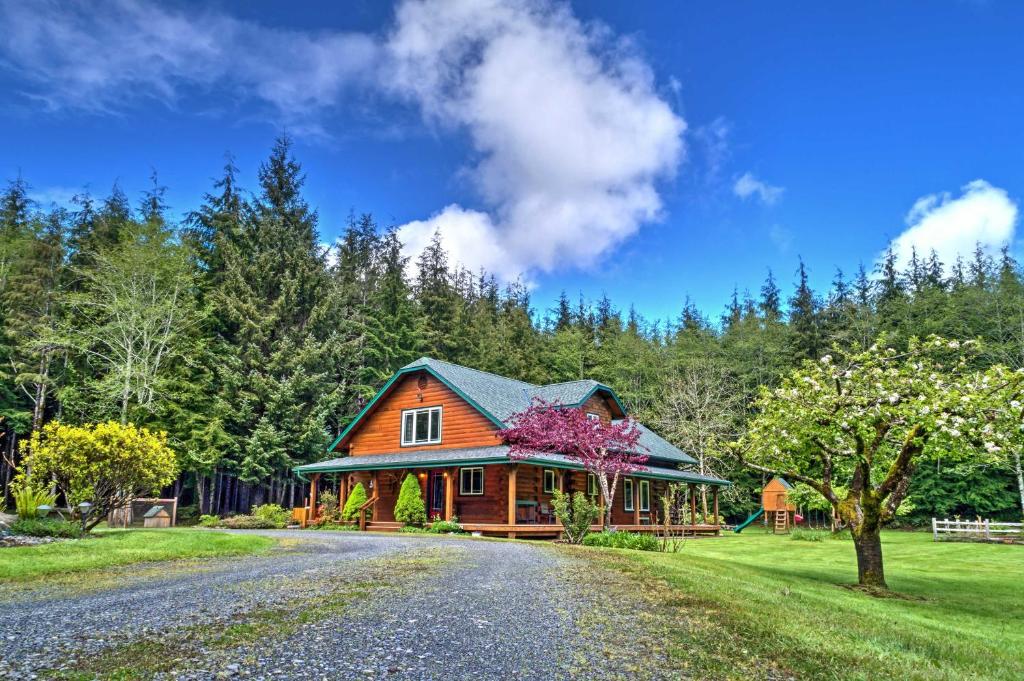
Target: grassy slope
[
  {"x": 782, "y": 603},
  {"x": 121, "y": 547}
]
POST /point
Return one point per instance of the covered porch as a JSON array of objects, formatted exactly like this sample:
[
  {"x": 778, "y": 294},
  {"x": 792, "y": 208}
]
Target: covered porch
[{"x": 494, "y": 495}]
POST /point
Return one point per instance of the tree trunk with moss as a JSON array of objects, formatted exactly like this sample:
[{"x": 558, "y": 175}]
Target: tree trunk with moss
[{"x": 863, "y": 515}]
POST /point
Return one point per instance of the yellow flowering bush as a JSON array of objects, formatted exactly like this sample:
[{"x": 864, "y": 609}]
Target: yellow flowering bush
[{"x": 107, "y": 464}]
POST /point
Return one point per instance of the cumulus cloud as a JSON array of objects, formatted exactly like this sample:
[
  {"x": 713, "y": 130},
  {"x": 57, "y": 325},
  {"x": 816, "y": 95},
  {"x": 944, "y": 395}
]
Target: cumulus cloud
[
  {"x": 954, "y": 225},
  {"x": 568, "y": 131},
  {"x": 747, "y": 186}
]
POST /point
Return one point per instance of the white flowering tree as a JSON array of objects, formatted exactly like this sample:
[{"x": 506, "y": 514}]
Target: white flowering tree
[
  {"x": 853, "y": 426},
  {"x": 1005, "y": 435}
]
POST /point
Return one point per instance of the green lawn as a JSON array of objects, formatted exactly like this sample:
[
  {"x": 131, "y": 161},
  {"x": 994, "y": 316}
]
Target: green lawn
[
  {"x": 768, "y": 602},
  {"x": 110, "y": 548}
]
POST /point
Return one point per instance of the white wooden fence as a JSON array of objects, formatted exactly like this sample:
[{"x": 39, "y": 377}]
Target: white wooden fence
[{"x": 976, "y": 530}]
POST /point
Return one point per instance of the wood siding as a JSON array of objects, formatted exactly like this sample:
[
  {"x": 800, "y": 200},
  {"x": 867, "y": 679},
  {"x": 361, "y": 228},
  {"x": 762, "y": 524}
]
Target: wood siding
[
  {"x": 775, "y": 497},
  {"x": 598, "y": 404},
  {"x": 461, "y": 424},
  {"x": 489, "y": 507}
]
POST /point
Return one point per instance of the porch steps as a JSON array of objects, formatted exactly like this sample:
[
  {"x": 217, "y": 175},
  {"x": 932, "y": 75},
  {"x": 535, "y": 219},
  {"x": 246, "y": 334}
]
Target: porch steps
[{"x": 382, "y": 526}]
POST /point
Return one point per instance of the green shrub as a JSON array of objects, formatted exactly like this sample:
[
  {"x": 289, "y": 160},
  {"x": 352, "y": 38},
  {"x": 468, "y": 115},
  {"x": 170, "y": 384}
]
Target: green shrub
[
  {"x": 329, "y": 511},
  {"x": 622, "y": 540},
  {"x": 576, "y": 514},
  {"x": 187, "y": 515},
  {"x": 334, "y": 527},
  {"x": 273, "y": 513},
  {"x": 209, "y": 521},
  {"x": 803, "y": 534},
  {"x": 29, "y": 497},
  {"x": 249, "y": 522},
  {"x": 440, "y": 526},
  {"x": 356, "y": 498},
  {"x": 412, "y": 529},
  {"x": 39, "y": 527},
  {"x": 409, "y": 508}
]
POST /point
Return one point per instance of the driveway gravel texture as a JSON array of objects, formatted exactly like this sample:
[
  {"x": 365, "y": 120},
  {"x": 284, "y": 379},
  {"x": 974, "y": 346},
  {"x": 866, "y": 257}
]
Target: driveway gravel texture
[{"x": 340, "y": 605}]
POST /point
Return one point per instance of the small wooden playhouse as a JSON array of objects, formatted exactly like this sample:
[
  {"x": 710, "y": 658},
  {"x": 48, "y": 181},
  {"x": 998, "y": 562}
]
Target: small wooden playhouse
[{"x": 779, "y": 512}]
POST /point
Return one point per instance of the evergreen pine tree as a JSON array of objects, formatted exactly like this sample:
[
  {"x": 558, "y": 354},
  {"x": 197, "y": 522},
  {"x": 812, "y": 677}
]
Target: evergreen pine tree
[{"x": 804, "y": 321}]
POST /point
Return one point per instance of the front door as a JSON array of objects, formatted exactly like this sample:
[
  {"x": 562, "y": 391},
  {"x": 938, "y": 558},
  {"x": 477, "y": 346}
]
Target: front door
[{"x": 435, "y": 495}]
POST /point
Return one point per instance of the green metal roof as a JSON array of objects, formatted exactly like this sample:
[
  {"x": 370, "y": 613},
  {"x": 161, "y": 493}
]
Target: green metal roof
[
  {"x": 479, "y": 456},
  {"x": 499, "y": 399}
]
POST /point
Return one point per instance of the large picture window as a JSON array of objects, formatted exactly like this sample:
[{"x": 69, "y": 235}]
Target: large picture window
[
  {"x": 645, "y": 495},
  {"x": 627, "y": 495},
  {"x": 471, "y": 481},
  {"x": 421, "y": 426}
]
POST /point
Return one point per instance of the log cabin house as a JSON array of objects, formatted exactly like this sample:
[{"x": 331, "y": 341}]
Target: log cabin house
[{"x": 440, "y": 422}]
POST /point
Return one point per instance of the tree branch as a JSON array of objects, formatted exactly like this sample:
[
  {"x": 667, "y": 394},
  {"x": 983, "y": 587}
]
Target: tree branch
[
  {"x": 901, "y": 466},
  {"x": 825, "y": 491}
]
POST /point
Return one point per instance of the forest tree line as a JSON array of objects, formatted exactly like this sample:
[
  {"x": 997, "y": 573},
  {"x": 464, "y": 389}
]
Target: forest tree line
[{"x": 252, "y": 345}]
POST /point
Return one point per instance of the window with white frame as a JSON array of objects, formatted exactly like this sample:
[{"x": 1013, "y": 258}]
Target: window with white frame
[
  {"x": 591, "y": 485},
  {"x": 627, "y": 494},
  {"x": 550, "y": 481},
  {"x": 645, "y": 495},
  {"x": 421, "y": 426},
  {"x": 593, "y": 417},
  {"x": 471, "y": 481}
]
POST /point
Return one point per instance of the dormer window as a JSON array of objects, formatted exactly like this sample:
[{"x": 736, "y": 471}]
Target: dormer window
[
  {"x": 421, "y": 426},
  {"x": 593, "y": 417}
]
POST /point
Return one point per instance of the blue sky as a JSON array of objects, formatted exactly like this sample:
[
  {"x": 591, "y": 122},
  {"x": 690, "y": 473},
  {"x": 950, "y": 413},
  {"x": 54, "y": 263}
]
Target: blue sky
[{"x": 646, "y": 150}]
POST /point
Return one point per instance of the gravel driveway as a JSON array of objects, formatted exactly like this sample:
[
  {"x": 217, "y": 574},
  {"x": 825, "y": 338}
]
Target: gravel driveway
[{"x": 334, "y": 606}]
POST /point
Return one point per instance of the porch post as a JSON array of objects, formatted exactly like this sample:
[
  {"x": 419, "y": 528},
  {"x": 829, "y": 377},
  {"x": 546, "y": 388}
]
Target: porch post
[
  {"x": 312, "y": 496},
  {"x": 512, "y": 469},
  {"x": 714, "y": 497},
  {"x": 636, "y": 501},
  {"x": 376, "y": 492},
  {"x": 449, "y": 493},
  {"x": 342, "y": 490},
  {"x": 693, "y": 504}
]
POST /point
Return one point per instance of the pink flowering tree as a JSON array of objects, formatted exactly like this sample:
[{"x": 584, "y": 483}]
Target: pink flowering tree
[{"x": 608, "y": 450}]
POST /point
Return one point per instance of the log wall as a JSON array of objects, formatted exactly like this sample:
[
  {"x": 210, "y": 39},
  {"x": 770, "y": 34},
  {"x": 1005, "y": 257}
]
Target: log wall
[{"x": 381, "y": 430}]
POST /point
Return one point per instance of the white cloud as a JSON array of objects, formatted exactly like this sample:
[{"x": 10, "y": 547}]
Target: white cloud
[
  {"x": 748, "y": 185},
  {"x": 711, "y": 141},
  {"x": 102, "y": 56},
  {"x": 781, "y": 237},
  {"x": 568, "y": 130},
  {"x": 50, "y": 196},
  {"x": 469, "y": 237},
  {"x": 982, "y": 215}
]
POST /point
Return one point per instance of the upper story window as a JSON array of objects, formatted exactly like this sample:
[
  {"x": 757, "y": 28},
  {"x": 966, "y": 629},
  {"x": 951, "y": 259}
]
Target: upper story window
[
  {"x": 593, "y": 417},
  {"x": 421, "y": 426}
]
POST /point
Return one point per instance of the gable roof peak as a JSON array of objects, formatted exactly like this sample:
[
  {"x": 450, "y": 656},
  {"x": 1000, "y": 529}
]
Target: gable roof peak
[{"x": 440, "y": 363}]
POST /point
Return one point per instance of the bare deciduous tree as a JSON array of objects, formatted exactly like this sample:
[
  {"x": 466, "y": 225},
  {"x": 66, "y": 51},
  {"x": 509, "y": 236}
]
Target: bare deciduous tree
[
  {"x": 700, "y": 413},
  {"x": 132, "y": 312}
]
